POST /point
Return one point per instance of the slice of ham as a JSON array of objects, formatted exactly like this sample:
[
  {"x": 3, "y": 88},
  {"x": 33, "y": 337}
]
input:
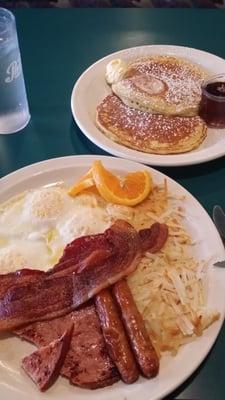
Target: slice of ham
[
  {"x": 87, "y": 363},
  {"x": 58, "y": 294},
  {"x": 44, "y": 365}
]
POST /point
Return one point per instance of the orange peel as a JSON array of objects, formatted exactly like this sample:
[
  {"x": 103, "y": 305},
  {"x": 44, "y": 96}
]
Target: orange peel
[
  {"x": 130, "y": 191},
  {"x": 85, "y": 182}
]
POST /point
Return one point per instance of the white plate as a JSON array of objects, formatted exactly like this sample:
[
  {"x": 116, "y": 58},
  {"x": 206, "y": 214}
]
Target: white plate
[
  {"x": 91, "y": 88},
  {"x": 14, "y": 384}
]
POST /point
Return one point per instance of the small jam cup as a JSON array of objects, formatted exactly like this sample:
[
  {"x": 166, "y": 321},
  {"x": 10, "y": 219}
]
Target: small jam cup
[{"x": 212, "y": 105}]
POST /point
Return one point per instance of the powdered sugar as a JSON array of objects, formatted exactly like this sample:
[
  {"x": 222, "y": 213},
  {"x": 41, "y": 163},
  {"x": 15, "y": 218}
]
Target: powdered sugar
[
  {"x": 182, "y": 78},
  {"x": 143, "y": 126}
]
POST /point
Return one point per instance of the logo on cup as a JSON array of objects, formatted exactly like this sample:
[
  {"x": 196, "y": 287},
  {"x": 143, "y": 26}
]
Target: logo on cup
[{"x": 13, "y": 71}]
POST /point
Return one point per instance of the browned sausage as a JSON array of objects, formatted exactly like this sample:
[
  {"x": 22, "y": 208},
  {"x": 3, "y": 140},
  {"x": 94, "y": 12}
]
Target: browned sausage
[
  {"x": 143, "y": 349},
  {"x": 153, "y": 239},
  {"x": 115, "y": 337}
]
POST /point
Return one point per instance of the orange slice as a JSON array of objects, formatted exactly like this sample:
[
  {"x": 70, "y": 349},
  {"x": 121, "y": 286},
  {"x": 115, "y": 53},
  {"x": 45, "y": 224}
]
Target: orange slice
[
  {"x": 132, "y": 190},
  {"x": 85, "y": 182}
]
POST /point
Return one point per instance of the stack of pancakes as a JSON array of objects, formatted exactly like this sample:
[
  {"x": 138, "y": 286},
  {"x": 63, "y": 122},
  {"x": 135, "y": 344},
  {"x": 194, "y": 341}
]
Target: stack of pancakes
[{"x": 154, "y": 105}]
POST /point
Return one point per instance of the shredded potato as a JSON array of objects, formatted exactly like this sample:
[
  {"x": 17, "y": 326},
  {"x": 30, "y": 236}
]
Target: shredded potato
[{"x": 169, "y": 287}]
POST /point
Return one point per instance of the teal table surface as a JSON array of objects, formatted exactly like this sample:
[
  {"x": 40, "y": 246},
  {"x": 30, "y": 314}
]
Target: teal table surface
[{"x": 56, "y": 47}]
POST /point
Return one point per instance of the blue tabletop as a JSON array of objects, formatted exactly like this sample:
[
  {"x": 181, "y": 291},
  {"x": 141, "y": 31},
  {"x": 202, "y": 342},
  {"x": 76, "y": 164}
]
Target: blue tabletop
[{"x": 56, "y": 47}]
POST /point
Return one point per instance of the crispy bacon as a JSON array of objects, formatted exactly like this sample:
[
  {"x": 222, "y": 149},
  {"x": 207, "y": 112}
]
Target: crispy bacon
[
  {"x": 89, "y": 260},
  {"x": 17, "y": 278},
  {"x": 64, "y": 290},
  {"x": 88, "y": 264},
  {"x": 154, "y": 238},
  {"x": 83, "y": 246},
  {"x": 82, "y": 253}
]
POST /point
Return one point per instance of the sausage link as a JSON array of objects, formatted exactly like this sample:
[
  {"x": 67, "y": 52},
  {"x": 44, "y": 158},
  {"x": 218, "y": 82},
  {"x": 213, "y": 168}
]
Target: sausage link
[
  {"x": 115, "y": 337},
  {"x": 143, "y": 349}
]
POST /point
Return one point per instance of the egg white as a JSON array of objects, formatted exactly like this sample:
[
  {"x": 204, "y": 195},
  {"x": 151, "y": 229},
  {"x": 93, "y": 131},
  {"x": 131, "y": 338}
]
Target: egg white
[
  {"x": 24, "y": 254},
  {"x": 86, "y": 219},
  {"x": 26, "y": 224},
  {"x": 36, "y": 227},
  {"x": 43, "y": 207}
]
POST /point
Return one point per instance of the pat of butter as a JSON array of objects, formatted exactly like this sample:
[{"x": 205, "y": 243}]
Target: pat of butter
[{"x": 115, "y": 70}]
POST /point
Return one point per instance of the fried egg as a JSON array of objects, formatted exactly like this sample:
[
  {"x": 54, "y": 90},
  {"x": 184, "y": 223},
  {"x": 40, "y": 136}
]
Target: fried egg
[
  {"x": 36, "y": 226},
  {"x": 85, "y": 222},
  {"x": 43, "y": 207},
  {"x": 10, "y": 219},
  {"x": 21, "y": 254},
  {"x": 26, "y": 223},
  {"x": 37, "y": 210}
]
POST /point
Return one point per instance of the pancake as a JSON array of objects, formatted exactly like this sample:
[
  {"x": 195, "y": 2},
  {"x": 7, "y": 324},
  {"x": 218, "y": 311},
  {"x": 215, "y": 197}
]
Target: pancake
[
  {"x": 147, "y": 132},
  {"x": 161, "y": 85}
]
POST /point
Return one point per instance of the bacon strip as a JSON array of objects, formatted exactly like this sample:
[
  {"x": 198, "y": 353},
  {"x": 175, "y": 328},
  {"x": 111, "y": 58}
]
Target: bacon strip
[
  {"x": 18, "y": 278},
  {"x": 98, "y": 260},
  {"x": 153, "y": 239},
  {"x": 81, "y": 254},
  {"x": 55, "y": 295}
]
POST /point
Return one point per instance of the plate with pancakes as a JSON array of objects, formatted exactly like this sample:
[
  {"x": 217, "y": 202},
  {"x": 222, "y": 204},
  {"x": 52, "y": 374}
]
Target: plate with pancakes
[
  {"x": 143, "y": 104},
  {"x": 176, "y": 288}
]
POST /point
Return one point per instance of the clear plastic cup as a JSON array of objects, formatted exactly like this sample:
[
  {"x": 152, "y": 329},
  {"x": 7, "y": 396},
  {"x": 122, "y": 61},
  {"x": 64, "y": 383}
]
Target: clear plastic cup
[
  {"x": 14, "y": 109},
  {"x": 212, "y": 106}
]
